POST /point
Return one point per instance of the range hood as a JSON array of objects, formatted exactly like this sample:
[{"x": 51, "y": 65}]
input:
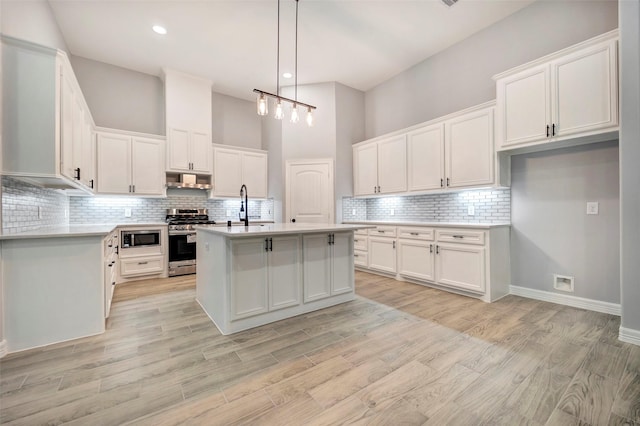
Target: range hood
[{"x": 188, "y": 181}]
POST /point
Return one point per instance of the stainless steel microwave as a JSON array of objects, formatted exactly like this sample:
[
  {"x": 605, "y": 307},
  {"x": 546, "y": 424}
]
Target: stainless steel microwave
[{"x": 140, "y": 238}]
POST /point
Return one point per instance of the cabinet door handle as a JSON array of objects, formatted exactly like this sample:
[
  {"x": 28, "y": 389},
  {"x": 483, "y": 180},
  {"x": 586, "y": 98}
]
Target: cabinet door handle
[
  {"x": 266, "y": 244},
  {"x": 553, "y": 130},
  {"x": 394, "y": 244},
  {"x": 441, "y": 183},
  {"x": 76, "y": 173},
  {"x": 430, "y": 248},
  {"x": 547, "y": 130},
  {"x": 458, "y": 236},
  {"x": 134, "y": 188},
  {"x": 437, "y": 249},
  {"x": 378, "y": 189},
  {"x": 447, "y": 181},
  {"x": 270, "y": 244},
  {"x": 117, "y": 250},
  {"x": 91, "y": 183}
]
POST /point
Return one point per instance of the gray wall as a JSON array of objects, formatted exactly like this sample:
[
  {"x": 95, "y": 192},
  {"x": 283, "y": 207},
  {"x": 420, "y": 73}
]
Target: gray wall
[
  {"x": 460, "y": 76},
  {"x": 235, "y": 122},
  {"x": 31, "y": 20},
  {"x": 629, "y": 160},
  {"x": 120, "y": 98},
  {"x": 551, "y": 232}
]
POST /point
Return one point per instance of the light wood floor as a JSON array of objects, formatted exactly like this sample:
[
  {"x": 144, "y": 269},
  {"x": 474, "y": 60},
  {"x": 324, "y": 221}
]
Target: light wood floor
[{"x": 398, "y": 354}]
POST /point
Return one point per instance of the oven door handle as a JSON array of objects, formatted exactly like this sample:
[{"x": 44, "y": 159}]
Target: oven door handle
[{"x": 181, "y": 233}]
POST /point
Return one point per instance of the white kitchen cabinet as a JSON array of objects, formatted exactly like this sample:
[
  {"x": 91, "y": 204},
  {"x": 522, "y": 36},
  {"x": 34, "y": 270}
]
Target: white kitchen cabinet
[
  {"x": 266, "y": 275},
  {"x": 188, "y": 119},
  {"x": 569, "y": 94},
  {"x": 461, "y": 266},
  {"x": 234, "y": 167},
  {"x": 469, "y": 151},
  {"x": 415, "y": 259},
  {"x": 381, "y": 252},
  {"x": 45, "y": 114},
  {"x": 327, "y": 265},
  {"x": 143, "y": 262},
  {"x": 381, "y": 167},
  {"x": 129, "y": 164},
  {"x": 425, "y": 158}
]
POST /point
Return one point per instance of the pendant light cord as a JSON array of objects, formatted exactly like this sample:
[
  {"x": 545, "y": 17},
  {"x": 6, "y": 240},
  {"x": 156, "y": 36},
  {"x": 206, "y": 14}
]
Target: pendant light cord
[
  {"x": 296, "y": 70},
  {"x": 278, "y": 55}
]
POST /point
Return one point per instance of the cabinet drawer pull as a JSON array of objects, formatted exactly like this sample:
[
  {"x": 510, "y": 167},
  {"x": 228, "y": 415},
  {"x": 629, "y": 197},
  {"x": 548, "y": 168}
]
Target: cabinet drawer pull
[
  {"x": 142, "y": 263},
  {"x": 458, "y": 236},
  {"x": 382, "y": 232},
  {"x": 414, "y": 233},
  {"x": 356, "y": 255}
]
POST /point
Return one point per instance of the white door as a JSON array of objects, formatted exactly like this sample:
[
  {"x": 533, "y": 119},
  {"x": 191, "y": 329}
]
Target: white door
[
  {"x": 415, "y": 259},
  {"x": 285, "y": 272},
  {"x": 425, "y": 158},
  {"x": 148, "y": 175},
  {"x": 392, "y": 165},
  {"x": 178, "y": 142},
  {"x": 469, "y": 149},
  {"x": 342, "y": 280},
  {"x": 316, "y": 266},
  {"x": 249, "y": 277},
  {"x": 524, "y": 107},
  {"x": 114, "y": 163},
  {"x": 365, "y": 169},
  {"x": 227, "y": 172},
  {"x": 200, "y": 152},
  {"x": 309, "y": 191},
  {"x": 254, "y": 173},
  {"x": 585, "y": 90},
  {"x": 382, "y": 254},
  {"x": 460, "y": 266}
]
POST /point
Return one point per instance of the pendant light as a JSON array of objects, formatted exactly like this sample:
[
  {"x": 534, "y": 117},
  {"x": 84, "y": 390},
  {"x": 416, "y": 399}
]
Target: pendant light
[{"x": 262, "y": 102}]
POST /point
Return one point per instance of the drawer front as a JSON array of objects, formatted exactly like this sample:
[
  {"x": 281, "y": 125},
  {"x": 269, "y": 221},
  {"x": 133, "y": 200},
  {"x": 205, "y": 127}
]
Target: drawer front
[
  {"x": 383, "y": 231},
  {"x": 364, "y": 232},
  {"x": 360, "y": 242},
  {"x": 416, "y": 233},
  {"x": 361, "y": 258},
  {"x": 141, "y": 266},
  {"x": 460, "y": 236}
]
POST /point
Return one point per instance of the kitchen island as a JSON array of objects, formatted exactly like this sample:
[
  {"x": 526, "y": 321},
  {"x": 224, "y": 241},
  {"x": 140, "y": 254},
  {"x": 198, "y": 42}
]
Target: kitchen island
[{"x": 255, "y": 275}]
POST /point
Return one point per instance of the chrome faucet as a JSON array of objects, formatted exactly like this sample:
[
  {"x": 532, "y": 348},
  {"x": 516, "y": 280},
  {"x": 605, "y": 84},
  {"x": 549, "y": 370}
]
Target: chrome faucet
[{"x": 243, "y": 193}]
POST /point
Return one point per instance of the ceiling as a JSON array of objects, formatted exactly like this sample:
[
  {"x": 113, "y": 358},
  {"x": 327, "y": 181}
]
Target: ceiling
[{"x": 359, "y": 43}]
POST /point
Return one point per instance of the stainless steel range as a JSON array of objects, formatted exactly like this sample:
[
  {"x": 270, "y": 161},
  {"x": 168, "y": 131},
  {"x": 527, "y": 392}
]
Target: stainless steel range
[{"x": 182, "y": 238}]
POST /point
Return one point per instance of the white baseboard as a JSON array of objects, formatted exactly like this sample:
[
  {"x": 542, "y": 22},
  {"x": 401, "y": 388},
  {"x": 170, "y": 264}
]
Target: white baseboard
[
  {"x": 565, "y": 299},
  {"x": 629, "y": 335},
  {"x": 3, "y": 348}
]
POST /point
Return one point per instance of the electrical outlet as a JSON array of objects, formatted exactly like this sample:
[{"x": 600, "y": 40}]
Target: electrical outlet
[
  {"x": 228, "y": 213},
  {"x": 127, "y": 212},
  {"x": 471, "y": 210},
  {"x": 66, "y": 212},
  {"x": 39, "y": 212},
  {"x": 393, "y": 212},
  {"x": 592, "y": 207},
  {"x": 353, "y": 212}
]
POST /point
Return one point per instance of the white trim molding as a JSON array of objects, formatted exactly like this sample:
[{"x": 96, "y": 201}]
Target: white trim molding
[
  {"x": 629, "y": 335},
  {"x": 3, "y": 348},
  {"x": 565, "y": 299}
]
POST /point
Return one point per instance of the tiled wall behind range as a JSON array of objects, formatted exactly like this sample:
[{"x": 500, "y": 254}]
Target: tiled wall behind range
[
  {"x": 112, "y": 209},
  {"x": 20, "y": 202},
  {"x": 490, "y": 206}
]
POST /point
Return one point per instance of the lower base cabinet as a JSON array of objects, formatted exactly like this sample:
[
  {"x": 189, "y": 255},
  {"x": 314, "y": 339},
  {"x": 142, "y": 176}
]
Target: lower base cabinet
[
  {"x": 472, "y": 261},
  {"x": 327, "y": 262}
]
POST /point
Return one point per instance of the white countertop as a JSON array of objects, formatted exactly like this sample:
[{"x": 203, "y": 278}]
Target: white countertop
[
  {"x": 279, "y": 228},
  {"x": 88, "y": 230},
  {"x": 432, "y": 224}
]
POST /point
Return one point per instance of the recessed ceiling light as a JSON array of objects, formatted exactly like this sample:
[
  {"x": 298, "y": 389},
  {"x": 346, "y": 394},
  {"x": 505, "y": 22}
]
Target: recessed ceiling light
[
  {"x": 287, "y": 75},
  {"x": 159, "y": 29}
]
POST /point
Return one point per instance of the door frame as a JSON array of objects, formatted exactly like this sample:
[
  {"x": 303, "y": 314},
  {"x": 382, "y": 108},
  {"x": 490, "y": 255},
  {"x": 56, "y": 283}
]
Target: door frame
[{"x": 297, "y": 162}]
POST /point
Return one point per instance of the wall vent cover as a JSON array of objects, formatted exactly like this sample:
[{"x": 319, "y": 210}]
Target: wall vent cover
[{"x": 449, "y": 2}]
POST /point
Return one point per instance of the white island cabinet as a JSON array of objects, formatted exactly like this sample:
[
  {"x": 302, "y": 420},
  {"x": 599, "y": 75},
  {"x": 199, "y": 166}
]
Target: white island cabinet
[{"x": 251, "y": 276}]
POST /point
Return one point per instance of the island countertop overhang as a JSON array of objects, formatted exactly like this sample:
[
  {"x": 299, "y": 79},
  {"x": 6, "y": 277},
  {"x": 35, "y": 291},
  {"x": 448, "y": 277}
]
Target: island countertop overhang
[{"x": 279, "y": 229}]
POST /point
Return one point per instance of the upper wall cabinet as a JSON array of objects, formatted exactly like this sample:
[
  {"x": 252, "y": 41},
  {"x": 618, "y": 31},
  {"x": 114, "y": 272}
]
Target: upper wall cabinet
[
  {"x": 130, "y": 164},
  {"x": 380, "y": 167},
  {"x": 188, "y": 117},
  {"x": 452, "y": 152},
  {"x": 570, "y": 94},
  {"x": 233, "y": 167},
  {"x": 47, "y": 127}
]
